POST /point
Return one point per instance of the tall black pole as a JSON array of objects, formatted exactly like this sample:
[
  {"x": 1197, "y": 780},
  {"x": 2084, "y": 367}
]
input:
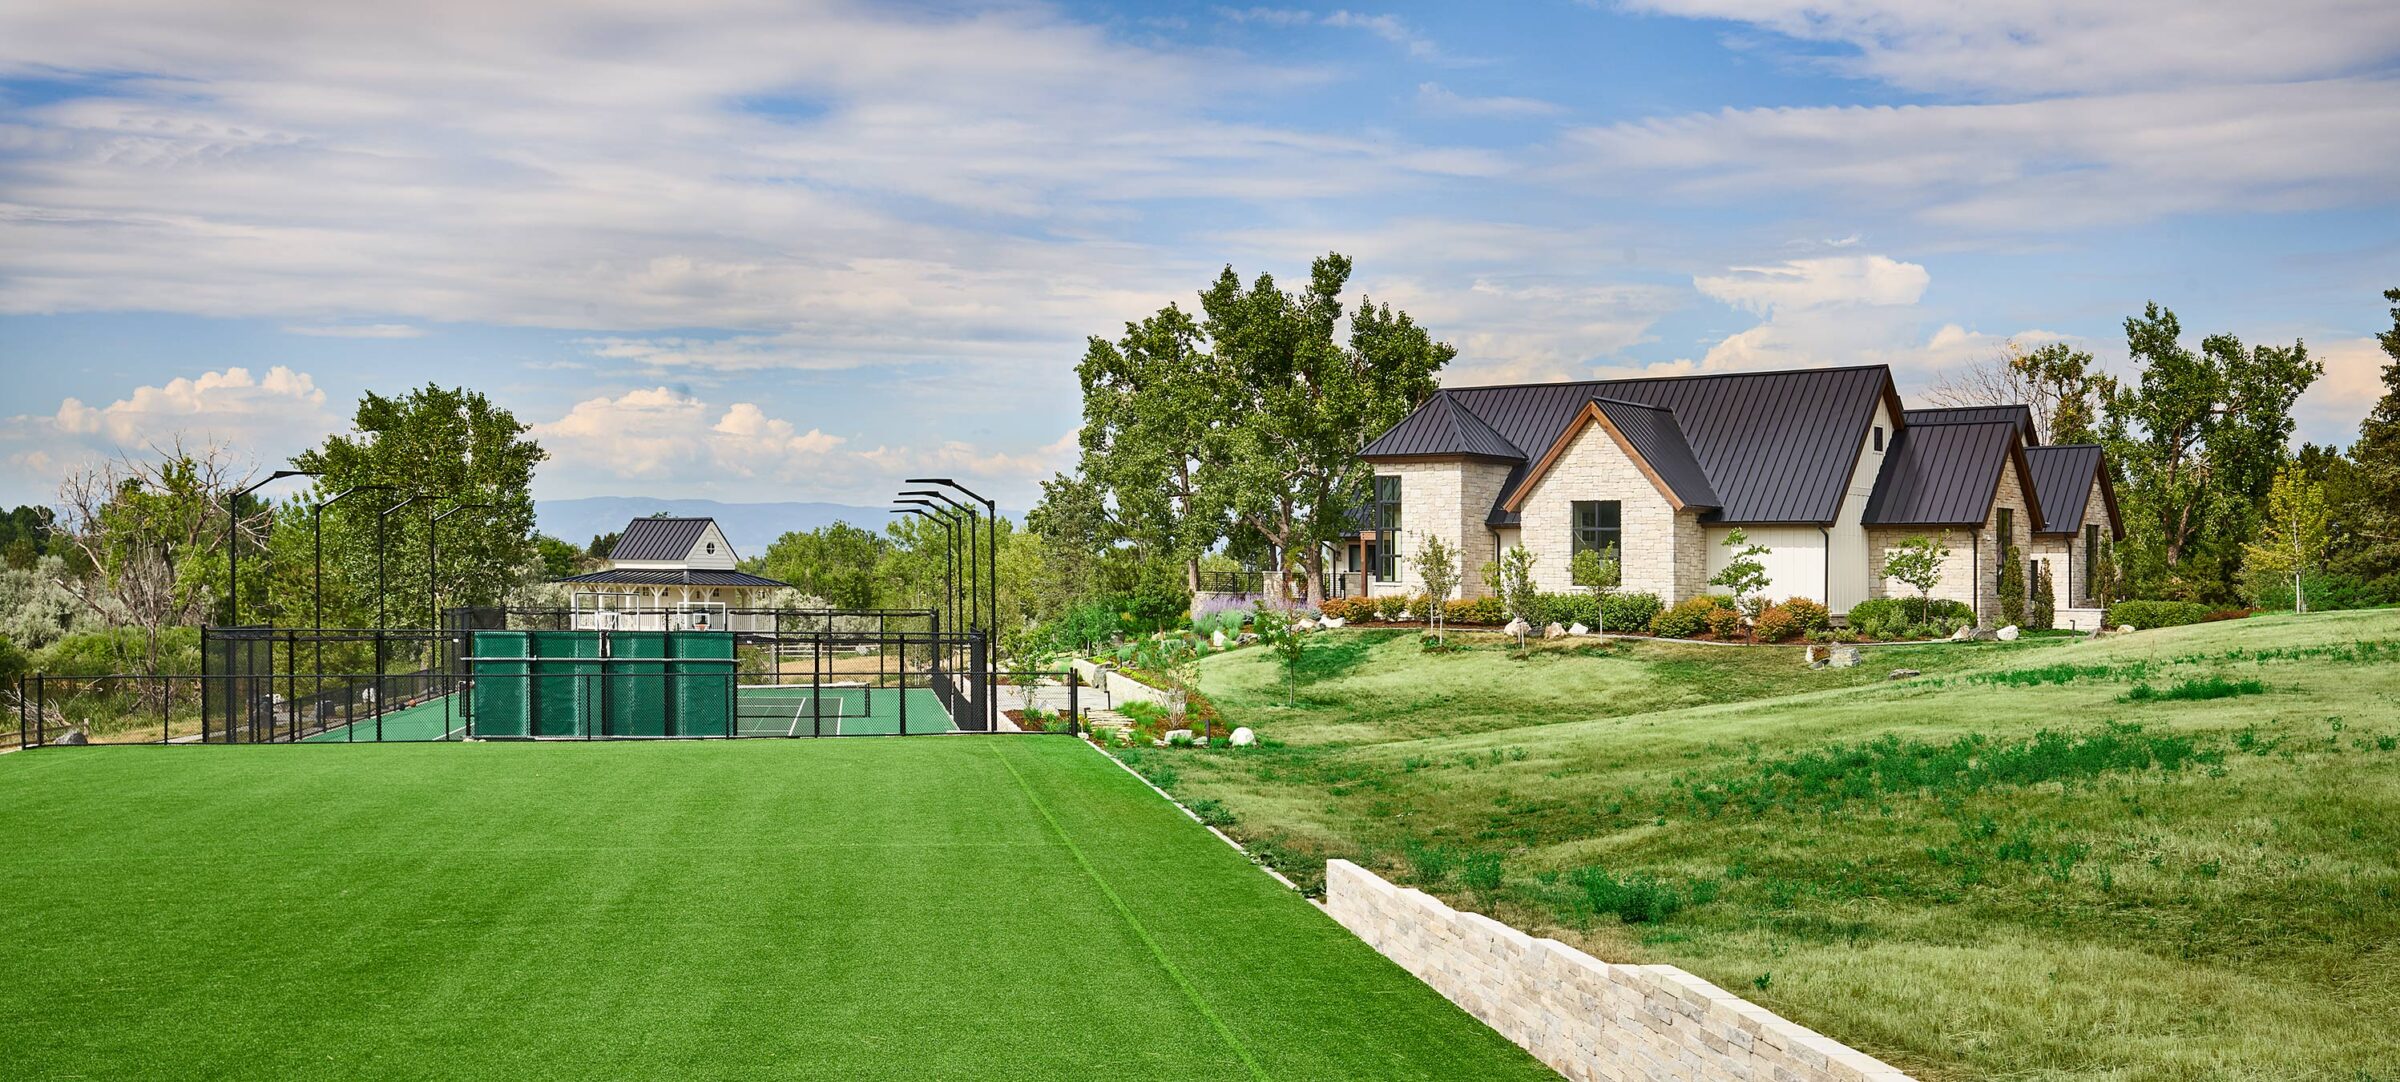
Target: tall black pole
[
  {"x": 382, "y": 593},
  {"x": 992, "y": 581},
  {"x": 233, "y": 546},
  {"x": 433, "y": 589}
]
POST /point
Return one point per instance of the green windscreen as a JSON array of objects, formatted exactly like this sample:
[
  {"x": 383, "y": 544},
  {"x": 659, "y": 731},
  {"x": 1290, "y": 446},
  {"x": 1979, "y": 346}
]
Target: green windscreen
[
  {"x": 566, "y": 684},
  {"x": 702, "y": 690},
  {"x": 637, "y": 686},
  {"x": 499, "y": 703}
]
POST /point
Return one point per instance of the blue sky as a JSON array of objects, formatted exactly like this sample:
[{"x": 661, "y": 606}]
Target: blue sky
[{"x": 760, "y": 252}]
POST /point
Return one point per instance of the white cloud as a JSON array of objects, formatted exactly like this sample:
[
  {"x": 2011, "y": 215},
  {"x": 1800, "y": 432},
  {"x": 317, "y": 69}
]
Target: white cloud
[
  {"x": 1388, "y": 27},
  {"x": 1816, "y": 283},
  {"x": 230, "y": 405},
  {"x": 1439, "y": 100},
  {"x": 358, "y": 330},
  {"x": 2330, "y": 410},
  {"x": 2037, "y": 47},
  {"x": 661, "y": 433}
]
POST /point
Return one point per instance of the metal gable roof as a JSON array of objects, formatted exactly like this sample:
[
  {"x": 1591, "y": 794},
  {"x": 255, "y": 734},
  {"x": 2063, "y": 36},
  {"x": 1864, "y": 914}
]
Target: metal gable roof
[
  {"x": 1942, "y": 474},
  {"x": 1659, "y": 441},
  {"x": 2021, "y": 416},
  {"x": 1774, "y": 446},
  {"x": 1441, "y": 428},
  {"x": 2062, "y": 479},
  {"x": 675, "y": 578},
  {"x": 659, "y": 538}
]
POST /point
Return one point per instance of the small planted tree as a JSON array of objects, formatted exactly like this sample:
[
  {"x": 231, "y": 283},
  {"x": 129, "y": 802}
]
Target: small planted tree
[
  {"x": 2043, "y": 615},
  {"x": 1917, "y": 562},
  {"x": 1436, "y": 564},
  {"x": 1511, "y": 577},
  {"x": 1744, "y": 575},
  {"x": 1600, "y": 572},
  {"x": 2012, "y": 586},
  {"x": 1280, "y": 634},
  {"x": 2292, "y": 535}
]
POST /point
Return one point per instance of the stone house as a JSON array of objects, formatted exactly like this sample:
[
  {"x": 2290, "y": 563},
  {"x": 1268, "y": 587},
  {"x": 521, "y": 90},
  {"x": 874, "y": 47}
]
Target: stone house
[{"x": 1824, "y": 467}]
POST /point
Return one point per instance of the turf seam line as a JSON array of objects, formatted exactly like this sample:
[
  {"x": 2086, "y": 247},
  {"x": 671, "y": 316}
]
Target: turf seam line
[
  {"x": 1195, "y": 817},
  {"x": 1181, "y": 981}
]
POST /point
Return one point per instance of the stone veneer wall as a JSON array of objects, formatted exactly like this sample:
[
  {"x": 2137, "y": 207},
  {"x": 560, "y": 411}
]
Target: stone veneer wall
[
  {"x": 1665, "y": 552},
  {"x": 1972, "y": 573},
  {"x": 1586, "y": 1018},
  {"x": 1449, "y": 499}
]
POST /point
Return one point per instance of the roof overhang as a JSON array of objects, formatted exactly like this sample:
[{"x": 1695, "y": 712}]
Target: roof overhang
[{"x": 1591, "y": 414}]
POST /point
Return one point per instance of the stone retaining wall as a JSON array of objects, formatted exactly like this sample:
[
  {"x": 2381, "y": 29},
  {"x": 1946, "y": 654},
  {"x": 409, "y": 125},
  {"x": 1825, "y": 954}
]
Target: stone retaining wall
[{"x": 1586, "y": 1018}]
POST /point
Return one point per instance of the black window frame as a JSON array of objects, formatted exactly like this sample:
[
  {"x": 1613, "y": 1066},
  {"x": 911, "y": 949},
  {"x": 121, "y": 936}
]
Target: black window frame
[
  {"x": 1879, "y": 437},
  {"x": 2004, "y": 530},
  {"x": 1597, "y": 534},
  {"x": 1384, "y": 558},
  {"x": 2091, "y": 557}
]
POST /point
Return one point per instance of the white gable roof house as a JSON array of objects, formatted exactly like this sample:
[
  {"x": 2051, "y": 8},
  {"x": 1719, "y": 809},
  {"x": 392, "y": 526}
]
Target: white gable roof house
[{"x": 670, "y": 574}]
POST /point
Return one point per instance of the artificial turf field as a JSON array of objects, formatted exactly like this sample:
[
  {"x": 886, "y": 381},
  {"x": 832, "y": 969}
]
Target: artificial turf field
[{"x": 1004, "y": 907}]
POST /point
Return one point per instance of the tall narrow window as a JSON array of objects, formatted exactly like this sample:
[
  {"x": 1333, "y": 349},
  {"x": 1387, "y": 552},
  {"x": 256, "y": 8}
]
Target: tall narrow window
[
  {"x": 2008, "y": 533},
  {"x": 1599, "y": 526},
  {"x": 1879, "y": 437},
  {"x": 2091, "y": 557},
  {"x": 1385, "y": 556}
]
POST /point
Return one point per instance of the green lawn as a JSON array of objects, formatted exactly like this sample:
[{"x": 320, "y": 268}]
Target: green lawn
[
  {"x": 1910, "y": 866},
  {"x": 961, "y": 907}
]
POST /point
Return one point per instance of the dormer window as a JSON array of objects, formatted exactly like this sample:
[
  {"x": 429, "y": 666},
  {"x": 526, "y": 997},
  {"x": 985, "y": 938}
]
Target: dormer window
[{"x": 1879, "y": 437}]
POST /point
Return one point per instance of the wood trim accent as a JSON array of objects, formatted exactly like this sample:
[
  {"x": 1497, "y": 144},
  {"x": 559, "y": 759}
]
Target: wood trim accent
[{"x": 1590, "y": 415}]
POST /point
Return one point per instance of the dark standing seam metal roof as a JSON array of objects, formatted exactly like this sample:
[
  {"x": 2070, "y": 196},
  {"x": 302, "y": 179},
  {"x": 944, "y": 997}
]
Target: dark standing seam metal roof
[
  {"x": 1659, "y": 441},
  {"x": 676, "y": 578},
  {"x": 2021, "y": 416},
  {"x": 2062, "y": 480},
  {"x": 1775, "y": 446},
  {"x": 659, "y": 538},
  {"x": 1442, "y": 427},
  {"x": 1941, "y": 474}
]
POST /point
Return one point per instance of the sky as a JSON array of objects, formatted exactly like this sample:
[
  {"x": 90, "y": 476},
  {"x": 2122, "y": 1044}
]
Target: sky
[{"x": 758, "y": 251}]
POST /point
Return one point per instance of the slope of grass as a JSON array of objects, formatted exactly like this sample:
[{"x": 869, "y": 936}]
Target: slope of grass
[
  {"x": 2008, "y": 866},
  {"x": 939, "y": 908}
]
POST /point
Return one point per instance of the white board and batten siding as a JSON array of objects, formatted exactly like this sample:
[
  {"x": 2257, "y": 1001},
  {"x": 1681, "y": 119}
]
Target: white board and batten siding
[
  {"x": 710, "y": 552},
  {"x": 1798, "y": 563},
  {"x": 1795, "y": 562}
]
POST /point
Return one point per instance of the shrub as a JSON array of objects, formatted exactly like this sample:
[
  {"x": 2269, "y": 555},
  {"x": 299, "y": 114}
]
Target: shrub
[
  {"x": 1481, "y": 610},
  {"x": 2012, "y": 586},
  {"x": 1688, "y": 619},
  {"x": 1349, "y": 609},
  {"x": 1775, "y": 623},
  {"x": 2195, "y": 690},
  {"x": 1569, "y": 609},
  {"x": 1896, "y": 618},
  {"x": 1634, "y": 899},
  {"x": 1631, "y": 612},
  {"x": 2150, "y": 614},
  {"x": 1389, "y": 606},
  {"x": 1810, "y": 615},
  {"x": 1725, "y": 623},
  {"x": 2042, "y": 615}
]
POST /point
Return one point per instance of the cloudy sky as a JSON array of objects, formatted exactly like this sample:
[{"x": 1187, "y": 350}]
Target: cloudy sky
[{"x": 774, "y": 251}]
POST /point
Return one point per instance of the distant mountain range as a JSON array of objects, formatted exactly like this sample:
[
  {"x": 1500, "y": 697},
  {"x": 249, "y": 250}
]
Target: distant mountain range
[{"x": 750, "y": 526}]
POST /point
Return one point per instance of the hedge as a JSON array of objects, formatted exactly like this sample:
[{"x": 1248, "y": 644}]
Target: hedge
[{"x": 2150, "y": 614}]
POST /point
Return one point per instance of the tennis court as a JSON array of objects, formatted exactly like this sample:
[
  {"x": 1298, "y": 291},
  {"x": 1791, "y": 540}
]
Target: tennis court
[
  {"x": 972, "y": 908},
  {"x": 838, "y": 710},
  {"x": 436, "y": 718}
]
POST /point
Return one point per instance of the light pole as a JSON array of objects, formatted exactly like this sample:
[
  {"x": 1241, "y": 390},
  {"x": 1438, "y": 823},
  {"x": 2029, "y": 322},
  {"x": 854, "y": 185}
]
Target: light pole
[
  {"x": 949, "y": 550},
  {"x": 233, "y": 547},
  {"x": 991, "y": 515},
  {"x": 316, "y": 525},
  {"x": 432, "y": 591},
  {"x": 383, "y": 595},
  {"x": 974, "y": 575}
]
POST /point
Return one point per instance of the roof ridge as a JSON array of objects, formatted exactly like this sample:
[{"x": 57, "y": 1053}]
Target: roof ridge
[
  {"x": 1630, "y": 402},
  {"x": 1669, "y": 379}
]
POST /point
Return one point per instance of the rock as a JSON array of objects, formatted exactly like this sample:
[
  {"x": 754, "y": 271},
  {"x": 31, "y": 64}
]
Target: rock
[
  {"x": 1985, "y": 634},
  {"x": 1554, "y": 632},
  {"x": 1247, "y": 639},
  {"x": 1516, "y": 627},
  {"x": 1333, "y": 621},
  {"x": 1217, "y": 638},
  {"x": 2007, "y": 634},
  {"x": 1903, "y": 674},
  {"x": 1964, "y": 634},
  {"x": 1242, "y": 737},
  {"x": 1401, "y": 617},
  {"x": 2124, "y": 629},
  {"x": 1845, "y": 657},
  {"x": 75, "y": 737},
  {"x": 1175, "y": 736},
  {"x": 1304, "y": 624},
  {"x": 1578, "y": 630}
]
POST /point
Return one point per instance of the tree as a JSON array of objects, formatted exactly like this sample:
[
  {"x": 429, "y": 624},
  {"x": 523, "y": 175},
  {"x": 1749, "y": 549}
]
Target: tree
[
  {"x": 1151, "y": 407},
  {"x": 448, "y": 448},
  {"x": 602, "y": 544},
  {"x": 1436, "y": 564},
  {"x": 1744, "y": 574},
  {"x": 2012, "y": 586},
  {"x": 2044, "y": 613},
  {"x": 1301, "y": 404},
  {"x": 1917, "y": 562},
  {"x": 2060, "y": 385},
  {"x": 154, "y": 531},
  {"x": 1281, "y": 635},
  {"x": 1511, "y": 577},
  {"x": 1600, "y": 572},
  {"x": 839, "y": 562},
  {"x": 2291, "y": 536},
  {"x": 2372, "y": 550},
  {"x": 559, "y": 559},
  {"x": 2197, "y": 438}
]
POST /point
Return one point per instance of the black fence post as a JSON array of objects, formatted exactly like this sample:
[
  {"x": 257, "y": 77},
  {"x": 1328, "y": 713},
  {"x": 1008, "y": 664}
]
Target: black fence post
[
  {"x": 1074, "y": 701},
  {"x": 41, "y": 715},
  {"x": 816, "y": 688},
  {"x": 980, "y": 676},
  {"x": 903, "y": 683}
]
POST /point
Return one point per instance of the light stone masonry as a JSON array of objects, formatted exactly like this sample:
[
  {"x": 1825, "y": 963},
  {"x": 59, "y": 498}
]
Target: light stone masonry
[{"x": 1587, "y": 1019}]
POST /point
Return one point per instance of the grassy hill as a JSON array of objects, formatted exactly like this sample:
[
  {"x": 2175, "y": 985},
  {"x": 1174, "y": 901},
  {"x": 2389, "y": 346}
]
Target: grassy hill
[{"x": 2169, "y": 855}]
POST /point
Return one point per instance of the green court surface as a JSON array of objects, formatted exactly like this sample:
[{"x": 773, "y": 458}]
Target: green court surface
[
  {"x": 797, "y": 710},
  {"x": 1008, "y": 907},
  {"x": 436, "y": 718}
]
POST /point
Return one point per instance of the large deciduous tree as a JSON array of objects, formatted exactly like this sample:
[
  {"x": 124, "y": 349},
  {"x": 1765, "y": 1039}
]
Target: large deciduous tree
[
  {"x": 2374, "y": 548},
  {"x": 2058, "y": 382},
  {"x": 1151, "y": 407},
  {"x": 839, "y": 563},
  {"x": 2197, "y": 437},
  {"x": 154, "y": 531}
]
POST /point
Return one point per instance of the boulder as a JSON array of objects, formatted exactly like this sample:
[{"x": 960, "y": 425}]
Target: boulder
[
  {"x": 1578, "y": 630},
  {"x": 1985, "y": 634},
  {"x": 1304, "y": 624},
  {"x": 1964, "y": 634},
  {"x": 1845, "y": 657},
  {"x": 1816, "y": 655},
  {"x": 1401, "y": 617},
  {"x": 1217, "y": 638},
  {"x": 2007, "y": 634},
  {"x": 2124, "y": 629},
  {"x": 1903, "y": 674},
  {"x": 75, "y": 737},
  {"x": 1242, "y": 737},
  {"x": 1333, "y": 621},
  {"x": 1175, "y": 736},
  {"x": 1247, "y": 639},
  {"x": 1554, "y": 632},
  {"x": 1516, "y": 627}
]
